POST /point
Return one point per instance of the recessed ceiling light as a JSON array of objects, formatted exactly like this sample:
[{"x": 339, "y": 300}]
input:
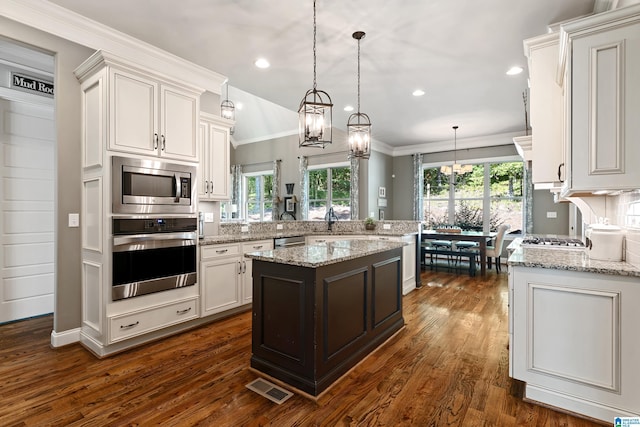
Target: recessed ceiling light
[
  {"x": 418, "y": 92},
  {"x": 514, "y": 70},
  {"x": 348, "y": 108},
  {"x": 262, "y": 63}
]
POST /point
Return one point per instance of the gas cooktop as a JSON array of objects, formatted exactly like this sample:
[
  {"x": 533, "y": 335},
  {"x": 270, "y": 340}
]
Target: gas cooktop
[{"x": 552, "y": 242}]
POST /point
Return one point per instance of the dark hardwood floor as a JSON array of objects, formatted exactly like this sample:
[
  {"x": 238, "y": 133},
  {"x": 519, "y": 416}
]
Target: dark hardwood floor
[{"x": 447, "y": 367}]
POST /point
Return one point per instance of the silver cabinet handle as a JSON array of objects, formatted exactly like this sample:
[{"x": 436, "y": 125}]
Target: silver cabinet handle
[
  {"x": 186, "y": 310},
  {"x": 222, "y": 251},
  {"x": 129, "y": 326},
  {"x": 155, "y": 141},
  {"x": 163, "y": 142},
  {"x": 321, "y": 240},
  {"x": 244, "y": 267},
  {"x": 206, "y": 187},
  {"x": 258, "y": 247},
  {"x": 239, "y": 268}
]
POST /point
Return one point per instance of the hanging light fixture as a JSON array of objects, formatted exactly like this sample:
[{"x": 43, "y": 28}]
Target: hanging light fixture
[
  {"x": 315, "y": 109},
  {"x": 227, "y": 109},
  {"x": 455, "y": 168},
  {"x": 359, "y": 124}
]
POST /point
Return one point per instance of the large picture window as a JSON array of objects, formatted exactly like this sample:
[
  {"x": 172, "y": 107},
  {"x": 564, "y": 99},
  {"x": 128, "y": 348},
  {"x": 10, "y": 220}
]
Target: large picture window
[
  {"x": 258, "y": 191},
  {"x": 330, "y": 187},
  {"x": 489, "y": 195}
]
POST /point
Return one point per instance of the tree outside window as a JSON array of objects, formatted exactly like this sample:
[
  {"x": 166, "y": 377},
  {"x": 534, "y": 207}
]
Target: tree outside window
[
  {"x": 258, "y": 190},
  {"x": 330, "y": 187},
  {"x": 489, "y": 195}
]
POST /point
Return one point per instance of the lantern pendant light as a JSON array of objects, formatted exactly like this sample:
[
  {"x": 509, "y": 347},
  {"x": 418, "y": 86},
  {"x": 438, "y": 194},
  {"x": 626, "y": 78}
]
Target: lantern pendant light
[
  {"x": 314, "y": 121},
  {"x": 455, "y": 168},
  {"x": 359, "y": 124},
  {"x": 227, "y": 109}
]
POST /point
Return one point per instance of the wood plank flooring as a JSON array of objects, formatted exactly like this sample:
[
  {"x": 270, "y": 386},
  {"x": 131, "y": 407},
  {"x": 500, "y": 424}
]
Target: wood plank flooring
[{"x": 447, "y": 367}]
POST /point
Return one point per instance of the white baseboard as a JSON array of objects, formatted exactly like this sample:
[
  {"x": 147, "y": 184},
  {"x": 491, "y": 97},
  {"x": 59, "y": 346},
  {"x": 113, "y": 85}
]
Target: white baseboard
[{"x": 59, "y": 339}]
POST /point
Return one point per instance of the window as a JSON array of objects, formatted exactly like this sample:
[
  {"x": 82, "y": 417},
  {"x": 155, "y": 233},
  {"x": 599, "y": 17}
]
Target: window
[
  {"x": 330, "y": 187},
  {"x": 489, "y": 195},
  {"x": 258, "y": 192}
]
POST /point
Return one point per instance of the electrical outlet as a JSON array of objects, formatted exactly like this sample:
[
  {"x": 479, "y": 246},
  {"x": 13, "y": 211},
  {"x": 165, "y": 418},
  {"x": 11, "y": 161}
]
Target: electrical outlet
[
  {"x": 552, "y": 214},
  {"x": 279, "y": 227},
  {"x": 244, "y": 228},
  {"x": 208, "y": 217},
  {"x": 386, "y": 226}
]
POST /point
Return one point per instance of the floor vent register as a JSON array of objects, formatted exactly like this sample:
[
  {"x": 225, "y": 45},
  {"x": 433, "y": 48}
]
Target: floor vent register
[{"x": 270, "y": 391}]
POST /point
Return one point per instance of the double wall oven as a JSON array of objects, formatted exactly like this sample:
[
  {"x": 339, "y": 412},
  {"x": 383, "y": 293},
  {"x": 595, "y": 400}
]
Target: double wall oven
[{"x": 154, "y": 227}]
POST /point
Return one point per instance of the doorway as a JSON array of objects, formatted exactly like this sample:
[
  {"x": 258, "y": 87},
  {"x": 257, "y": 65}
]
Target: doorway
[{"x": 27, "y": 191}]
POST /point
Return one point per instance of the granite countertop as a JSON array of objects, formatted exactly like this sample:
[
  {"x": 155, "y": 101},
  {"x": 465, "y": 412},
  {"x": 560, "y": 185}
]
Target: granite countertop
[
  {"x": 322, "y": 254},
  {"x": 567, "y": 259},
  {"x": 246, "y": 237}
]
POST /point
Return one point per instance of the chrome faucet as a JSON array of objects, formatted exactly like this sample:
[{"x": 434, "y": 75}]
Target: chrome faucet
[{"x": 331, "y": 218}]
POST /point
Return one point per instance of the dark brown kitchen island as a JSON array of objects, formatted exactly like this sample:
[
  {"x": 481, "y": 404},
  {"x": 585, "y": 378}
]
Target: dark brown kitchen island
[{"x": 320, "y": 309}]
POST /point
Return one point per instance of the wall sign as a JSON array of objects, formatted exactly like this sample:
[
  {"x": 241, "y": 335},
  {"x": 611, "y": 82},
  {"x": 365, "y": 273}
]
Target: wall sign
[{"x": 30, "y": 83}]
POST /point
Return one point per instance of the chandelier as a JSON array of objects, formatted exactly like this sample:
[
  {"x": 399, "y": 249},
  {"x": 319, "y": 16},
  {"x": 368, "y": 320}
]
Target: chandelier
[
  {"x": 456, "y": 167},
  {"x": 227, "y": 109},
  {"x": 314, "y": 114},
  {"x": 359, "y": 124}
]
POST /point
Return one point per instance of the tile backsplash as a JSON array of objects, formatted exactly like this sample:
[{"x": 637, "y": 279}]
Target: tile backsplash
[{"x": 629, "y": 217}]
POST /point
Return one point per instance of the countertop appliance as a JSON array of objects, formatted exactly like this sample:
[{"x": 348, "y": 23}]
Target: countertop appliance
[
  {"x": 152, "y": 255},
  {"x": 152, "y": 187},
  {"x": 288, "y": 242},
  {"x": 552, "y": 242},
  {"x": 604, "y": 242}
]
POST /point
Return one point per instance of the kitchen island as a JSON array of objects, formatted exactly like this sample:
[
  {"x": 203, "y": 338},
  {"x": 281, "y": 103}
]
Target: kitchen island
[
  {"x": 573, "y": 331},
  {"x": 320, "y": 309}
]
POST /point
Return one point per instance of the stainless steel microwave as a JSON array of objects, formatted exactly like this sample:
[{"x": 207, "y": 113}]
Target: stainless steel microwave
[{"x": 152, "y": 187}]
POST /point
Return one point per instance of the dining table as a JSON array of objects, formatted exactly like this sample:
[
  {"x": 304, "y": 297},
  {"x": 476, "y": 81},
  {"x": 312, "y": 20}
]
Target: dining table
[{"x": 481, "y": 237}]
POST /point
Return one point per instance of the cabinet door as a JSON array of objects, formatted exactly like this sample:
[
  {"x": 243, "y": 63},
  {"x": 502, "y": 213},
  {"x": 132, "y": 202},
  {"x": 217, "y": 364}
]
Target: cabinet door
[
  {"x": 605, "y": 129},
  {"x": 221, "y": 289},
  {"x": 203, "y": 166},
  {"x": 134, "y": 113},
  {"x": 219, "y": 162},
  {"x": 247, "y": 267},
  {"x": 179, "y": 123}
]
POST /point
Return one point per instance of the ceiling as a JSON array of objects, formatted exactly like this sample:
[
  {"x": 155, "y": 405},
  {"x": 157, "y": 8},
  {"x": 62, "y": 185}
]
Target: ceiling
[{"x": 456, "y": 51}]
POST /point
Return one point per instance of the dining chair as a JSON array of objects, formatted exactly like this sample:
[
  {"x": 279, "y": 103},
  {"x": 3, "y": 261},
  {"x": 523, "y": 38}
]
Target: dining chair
[{"x": 494, "y": 251}]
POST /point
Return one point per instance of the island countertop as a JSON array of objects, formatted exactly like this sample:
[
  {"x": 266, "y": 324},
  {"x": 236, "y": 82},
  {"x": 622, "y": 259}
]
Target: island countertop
[{"x": 321, "y": 254}]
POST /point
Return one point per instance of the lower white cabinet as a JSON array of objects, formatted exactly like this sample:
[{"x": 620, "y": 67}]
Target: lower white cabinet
[
  {"x": 226, "y": 275},
  {"x": 574, "y": 340},
  {"x": 141, "y": 322}
]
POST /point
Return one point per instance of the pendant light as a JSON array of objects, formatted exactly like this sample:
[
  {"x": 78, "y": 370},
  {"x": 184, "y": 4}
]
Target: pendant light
[
  {"x": 314, "y": 126},
  {"x": 227, "y": 109},
  {"x": 455, "y": 168},
  {"x": 359, "y": 124}
]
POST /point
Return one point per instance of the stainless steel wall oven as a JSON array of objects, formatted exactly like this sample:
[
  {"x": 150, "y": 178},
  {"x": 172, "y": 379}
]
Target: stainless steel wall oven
[{"x": 152, "y": 255}]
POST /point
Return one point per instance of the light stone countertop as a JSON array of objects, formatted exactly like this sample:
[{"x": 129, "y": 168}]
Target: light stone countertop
[
  {"x": 322, "y": 254},
  {"x": 567, "y": 259},
  {"x": 247, "y": 237}
]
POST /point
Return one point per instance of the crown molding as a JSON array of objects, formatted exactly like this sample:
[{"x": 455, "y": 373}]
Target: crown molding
[
  {"x": 462, "y": 144},
  {"x": 53, "y": 19}
]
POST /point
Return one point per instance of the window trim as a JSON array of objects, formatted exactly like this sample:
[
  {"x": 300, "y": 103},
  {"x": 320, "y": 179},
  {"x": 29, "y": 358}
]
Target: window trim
[
  {"x": 328, "y": 167},
  {"x": 244, "y": 195}
]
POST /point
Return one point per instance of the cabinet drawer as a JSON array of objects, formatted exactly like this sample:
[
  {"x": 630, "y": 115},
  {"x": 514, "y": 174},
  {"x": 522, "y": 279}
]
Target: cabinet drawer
[
  {"x": 258, "y": 245},
  {"x": 131, "y": 325},
  {"x": 219, "y": 251}
]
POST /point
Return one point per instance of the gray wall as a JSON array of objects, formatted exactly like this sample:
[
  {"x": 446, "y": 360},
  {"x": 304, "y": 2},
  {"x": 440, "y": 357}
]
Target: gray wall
[
  {"x": 543, "y": 203},
  {"x": 68, "y": 180},
  {"x": 403, "y": 188}
]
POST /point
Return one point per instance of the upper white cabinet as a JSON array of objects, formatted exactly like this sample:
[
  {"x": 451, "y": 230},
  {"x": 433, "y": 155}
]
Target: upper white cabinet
[
  {"x": 213, "y": 178},
  {"x": 546, "y": 106},
  {"x": 146, "y": 114},
  {"x": 600, "y": 67}
]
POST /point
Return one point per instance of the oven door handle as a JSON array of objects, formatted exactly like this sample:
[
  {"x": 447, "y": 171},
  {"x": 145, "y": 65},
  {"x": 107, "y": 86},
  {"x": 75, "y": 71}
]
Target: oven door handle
[
  {"x": 176, "y": 180},
  {"x": 140, "y": 242}
]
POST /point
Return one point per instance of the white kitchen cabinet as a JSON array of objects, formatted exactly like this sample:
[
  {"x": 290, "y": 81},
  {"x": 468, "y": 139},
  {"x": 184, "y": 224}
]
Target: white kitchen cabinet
[
  {"x": 220, "y": 278},
  {"x": 213, "y": 172},
  {"x": 247, "y": 266},
  {"x": 573, "y": 340},
  {"x": 602, "y": 61},
  {"x": 546, "y": 107}
]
